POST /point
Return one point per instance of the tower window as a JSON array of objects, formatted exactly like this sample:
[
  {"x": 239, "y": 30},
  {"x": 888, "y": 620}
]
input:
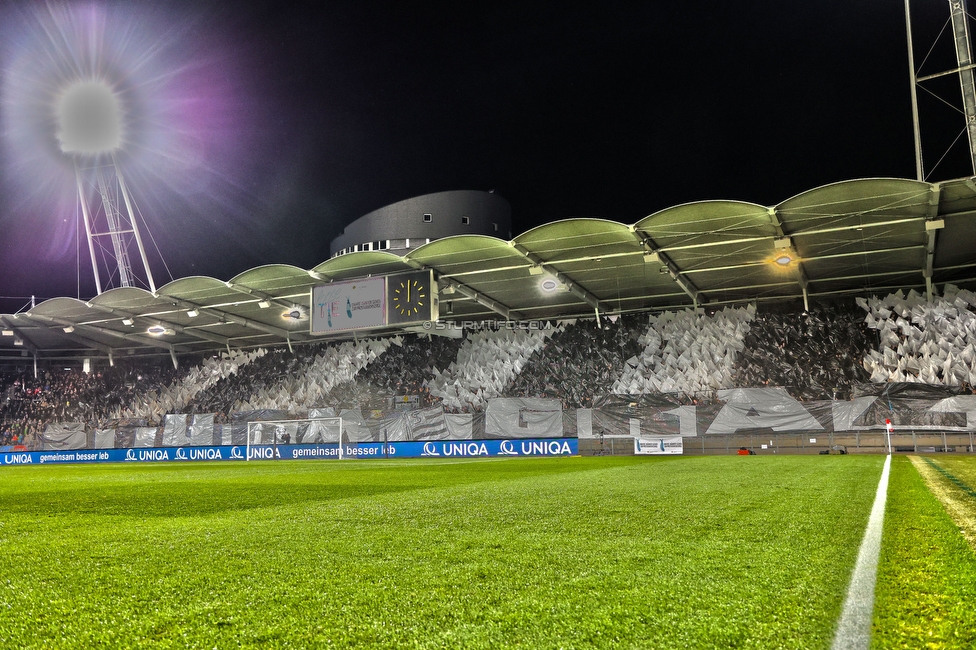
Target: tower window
[
  {"x": 464, "y": 221},
  {"x": 428, "y": 218}
]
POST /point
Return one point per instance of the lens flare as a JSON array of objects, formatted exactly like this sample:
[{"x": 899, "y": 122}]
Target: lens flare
[
  {"x": 89, "y": 119},
  {"x": 158, "y": 89}
]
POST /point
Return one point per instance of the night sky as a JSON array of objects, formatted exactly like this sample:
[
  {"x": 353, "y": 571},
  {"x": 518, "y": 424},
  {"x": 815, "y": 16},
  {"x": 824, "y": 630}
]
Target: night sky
[{"x": 314, "y": 114}]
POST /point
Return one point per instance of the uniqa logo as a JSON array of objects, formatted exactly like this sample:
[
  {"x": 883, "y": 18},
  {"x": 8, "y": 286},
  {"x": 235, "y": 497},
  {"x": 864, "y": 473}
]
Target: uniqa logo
[
  {"x": 266, "y": 453},
  {"x": 151, "y": 454},
  {"x": 430, "y": 449},
  {"x": 17, "y": 459},
  {"x": 545, "y": 448},
  {"x": 507, "y": 449},
  {"x": 464, "y": 449},
  {"x": 181, "y": 454},
  {"x": 235, "y": 453},
  {"x": 205, "y": 453}
]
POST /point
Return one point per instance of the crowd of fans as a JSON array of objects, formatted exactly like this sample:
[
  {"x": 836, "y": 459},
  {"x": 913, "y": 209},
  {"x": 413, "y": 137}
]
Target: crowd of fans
[
  {"x": 485, "y": 365},
  {"x": 687, "y": 353},
  {"x": 925, "y": 342},
  {"x": 820, "y": 353},
  {"x": 28, "y": 403},
  {"x": 580, "y": 361},
  {"x": 408, "y": 368},
  {"x": 817, "y": 353}
]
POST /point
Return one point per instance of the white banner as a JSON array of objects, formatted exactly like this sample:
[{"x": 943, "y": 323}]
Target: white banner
[
  {"x": 659, "y": 445},
  {"x": 349, "y": 305}
]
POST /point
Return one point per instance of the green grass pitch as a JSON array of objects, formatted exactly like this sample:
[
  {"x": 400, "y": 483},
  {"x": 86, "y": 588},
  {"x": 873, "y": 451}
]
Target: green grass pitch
[{"x": 535, "y": 553}]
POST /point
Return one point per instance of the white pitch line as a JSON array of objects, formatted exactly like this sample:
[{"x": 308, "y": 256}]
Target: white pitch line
[{"x": 854, "y": 628}]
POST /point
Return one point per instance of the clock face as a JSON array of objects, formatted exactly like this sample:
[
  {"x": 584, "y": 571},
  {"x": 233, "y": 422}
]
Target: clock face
[{"x": 410, "y": 297}]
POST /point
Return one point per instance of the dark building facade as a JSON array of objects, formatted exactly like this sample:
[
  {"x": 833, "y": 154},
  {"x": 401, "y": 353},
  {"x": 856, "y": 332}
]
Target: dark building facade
[{"x": 407, "y": 224}]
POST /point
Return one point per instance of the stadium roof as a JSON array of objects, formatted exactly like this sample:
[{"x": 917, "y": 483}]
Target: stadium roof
[{"x": 855, "y": 237}]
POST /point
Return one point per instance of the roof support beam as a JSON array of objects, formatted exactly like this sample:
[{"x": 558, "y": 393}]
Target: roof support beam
[
  {"x": 485, "y": 301},
  {"x": 145, "y": 340},
  {"x": 19, "y": 333},
  {"x": 502, "y": 310},
  {"x": 91, "y": 343},
  {"x": 574, "y": 287},
  {"x": 932, "y": 227},
  {"x": 242, "y": 288},
  {"x": 650, "y": 247},
  {"x": 733, "y": 267},
  {"x": 800, "y": 272},
  {"x": 200, "y": 334},
  {"x": 226, "y": 317}
]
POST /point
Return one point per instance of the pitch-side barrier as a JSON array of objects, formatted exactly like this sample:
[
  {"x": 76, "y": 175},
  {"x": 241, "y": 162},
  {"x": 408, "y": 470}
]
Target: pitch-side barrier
[{"x": 362, "y": 450}]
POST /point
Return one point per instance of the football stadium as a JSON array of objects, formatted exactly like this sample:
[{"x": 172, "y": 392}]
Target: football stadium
[{"x": 724, "y": 425}]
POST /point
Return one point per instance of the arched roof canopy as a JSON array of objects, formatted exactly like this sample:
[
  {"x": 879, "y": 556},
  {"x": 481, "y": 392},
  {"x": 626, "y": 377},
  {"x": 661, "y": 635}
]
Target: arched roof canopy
[{"x": 854, "y": 237}]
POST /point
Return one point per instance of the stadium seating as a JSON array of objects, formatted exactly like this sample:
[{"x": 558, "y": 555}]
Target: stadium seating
[
  {"x": 920, "y": 341},
  {"x": 815, "y": 353},
  {"x": 175, "y": 397},
  {"x": 825, "y": 352},
  {"x": 687, "y": 353},
  {"x": 485, "y": 366},
  {"x": 582, "y": 360}
]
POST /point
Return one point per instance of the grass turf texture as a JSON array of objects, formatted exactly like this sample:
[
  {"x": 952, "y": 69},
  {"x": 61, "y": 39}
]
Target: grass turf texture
[
  {"x": 927, "y": 571},
  {"x": 542, "y": 553}
]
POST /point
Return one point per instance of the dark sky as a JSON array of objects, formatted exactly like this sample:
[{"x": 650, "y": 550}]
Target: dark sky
[{"x": 614, "y": 110}]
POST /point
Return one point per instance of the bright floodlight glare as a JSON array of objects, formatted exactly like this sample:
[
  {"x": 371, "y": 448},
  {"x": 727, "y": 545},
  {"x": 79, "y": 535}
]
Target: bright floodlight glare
[
  {"x": 549, "y": 285},
  {"x": 783, "y": 260},
  {"x": 89, "y": 119}
]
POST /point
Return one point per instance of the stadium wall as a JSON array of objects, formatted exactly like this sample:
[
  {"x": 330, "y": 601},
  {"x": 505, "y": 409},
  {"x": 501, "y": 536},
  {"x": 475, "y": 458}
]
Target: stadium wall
[{"x": 486, "y": 213}]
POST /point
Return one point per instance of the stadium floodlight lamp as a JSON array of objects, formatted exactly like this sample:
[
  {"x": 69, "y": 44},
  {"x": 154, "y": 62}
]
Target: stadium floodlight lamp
[
  {"x": 89, "y": 119},
  {"x": 156, "y": 330},
  {"x": 8, "y": 332},
  {"x": 264, "y": 304},
  {"x": 128, "y": 321},
  {"x": 18, "y": 342},
  {"x": 193, "y": 313},
  {"x": 69, "y": 329},
  {"x": 536, "y": 269},
  {"x": 295, "y": 313},
  {"x": 783, "y": 259},
  {"x": 549, "y": 285}
]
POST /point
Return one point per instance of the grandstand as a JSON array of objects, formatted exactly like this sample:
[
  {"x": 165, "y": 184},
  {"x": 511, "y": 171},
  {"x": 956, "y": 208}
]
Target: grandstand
[{"x": 846, "y": 286}]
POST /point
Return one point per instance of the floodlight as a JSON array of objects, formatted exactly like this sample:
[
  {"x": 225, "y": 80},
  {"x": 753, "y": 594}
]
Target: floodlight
[
  {"x": 549, "y": 285},
  {"x": 89, "y": 119},
  {"x": 651, "y": 258},
  {"x": 18, "y": 342},
  {"x": 535, "y": 269},
  {"x": 128, "y": 321},
  {"x": 264, "y": 304},
  {"x": 783, "y": 260},
  {"x": 69, "y": 329},
  {"x": 193, "y": 313},
  {"x": 8, "y": 332},
  {"x": 156, "y": 330}
]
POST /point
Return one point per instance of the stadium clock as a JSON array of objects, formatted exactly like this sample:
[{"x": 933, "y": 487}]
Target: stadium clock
[{"x": 410, "y": 298}]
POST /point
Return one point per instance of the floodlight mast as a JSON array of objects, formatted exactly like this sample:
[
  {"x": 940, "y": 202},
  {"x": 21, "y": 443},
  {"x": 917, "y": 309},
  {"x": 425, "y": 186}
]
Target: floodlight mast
[
  {"x": 964, "y": 57},
  {"x": 107, "y": 209},
  {"x": 959, "y": 18}
]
